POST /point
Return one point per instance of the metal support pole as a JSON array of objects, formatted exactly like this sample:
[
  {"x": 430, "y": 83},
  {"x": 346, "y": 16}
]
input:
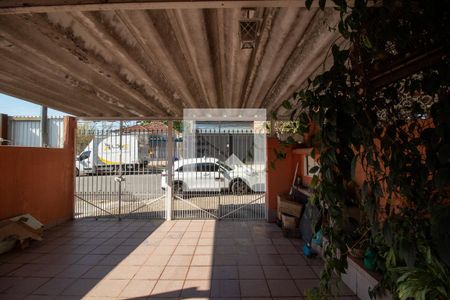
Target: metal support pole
[
  {"x": 169, "y": 166},
  {"x": 120, "y": 170},
  {"x": 4, "y": 129},
  {"x": 44, "y": 126}
]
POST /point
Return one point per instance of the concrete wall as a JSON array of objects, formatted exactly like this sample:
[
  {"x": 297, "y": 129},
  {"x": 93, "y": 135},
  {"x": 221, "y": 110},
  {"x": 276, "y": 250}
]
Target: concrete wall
[{"x": 39, "y": 181}]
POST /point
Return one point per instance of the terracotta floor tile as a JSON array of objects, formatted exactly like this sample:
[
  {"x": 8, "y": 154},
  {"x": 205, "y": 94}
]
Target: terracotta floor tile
[
  {"x": 206, "y": 242},
  {"x": 167, "y": 289},
  {"x": 54, "y": 286},
  {"x": 266, "y": 249},
  {"x": 225, "y": 288},
  {"x": 302, "y": 272},
  {"x": 108, "y": 288},
  {"x": 282, "y": 288},
  {"x": 25, "y": 286},
  {"x": 293, "y": 260},
  {"x": 149, "y": 272},
  {"x": 91, "y": 259},
  {"x": 157, "y": 260},
  {"x": 199, "y": 273},
  {"x": 138, "y": 288},
  {"x": 80, "y": 287},
  {"x": 174, "y": 272},
  {"x": 195, "y": 234},
  {"x": 271, "y": 260},
  {"x": 248, "y": 260},
  {"x": 74, "y": 271},
  {"x": 184, "y": 250},
  {"x": 250, "y": 272},
  {"x": 134, "y": 260},
  {"x": 6, "y": 283},
  {"x": 97, "y": 272},
  {"x": 202, "y": 260},
  {"x": 123, "y": 272},
  {"x": 305, "y": 284},
  {"x": 180, "y": 260},
  {"x": 195, "y": 289},
  {"x": 254, "y": 288},
  {"x": 204, "y": 250},
  {"x": 164, "y": 250},
  {"x": 128, "y": 259},
  {"x": 276, "y": 272},
  {"x": 225, "y": 260},
  {"x": 225, "y": 272},
  {"x": 112, "y": 259}
]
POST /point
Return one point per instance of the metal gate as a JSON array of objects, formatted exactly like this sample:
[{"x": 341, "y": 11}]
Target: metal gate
[
  {"x": 119, "y": 170},
  {"x": 122, "y": 171},
  {"x": 225, "y": 179}
]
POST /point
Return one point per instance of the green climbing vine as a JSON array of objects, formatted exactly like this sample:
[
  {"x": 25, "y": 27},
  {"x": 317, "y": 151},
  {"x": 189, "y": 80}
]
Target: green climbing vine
[{"x": 383, "y": 106}]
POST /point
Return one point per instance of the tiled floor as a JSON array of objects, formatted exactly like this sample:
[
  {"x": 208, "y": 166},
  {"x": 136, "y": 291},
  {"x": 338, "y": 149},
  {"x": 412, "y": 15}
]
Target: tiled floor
[{"x": 156, "y": 259}]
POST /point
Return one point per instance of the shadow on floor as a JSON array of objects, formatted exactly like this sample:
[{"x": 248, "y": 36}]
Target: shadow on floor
[{"x": 140, "y": 259}]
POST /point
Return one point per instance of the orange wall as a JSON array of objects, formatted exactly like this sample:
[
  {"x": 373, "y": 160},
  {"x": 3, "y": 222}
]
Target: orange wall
[
  {"x": 39, "y": 181},
  {"x": 279, "y": 177}
]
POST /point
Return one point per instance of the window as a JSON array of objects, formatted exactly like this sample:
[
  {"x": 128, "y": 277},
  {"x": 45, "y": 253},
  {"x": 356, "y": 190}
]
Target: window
[
  {"x": 187, "y": 168},
  {"x": 84, "y": 155},
  {"x": 207, "y": 167},
  {"x": 228, "y": 168}
]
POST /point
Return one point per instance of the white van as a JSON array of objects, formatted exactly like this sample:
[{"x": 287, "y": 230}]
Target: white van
[{"x": 104, "y": 155}]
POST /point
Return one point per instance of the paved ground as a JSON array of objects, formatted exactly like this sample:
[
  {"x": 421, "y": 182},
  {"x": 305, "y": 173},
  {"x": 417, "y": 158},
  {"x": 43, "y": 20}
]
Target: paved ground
[
  {"x": 157, "y": 259},
  {"x": 148, "y": 183},
  {"x": 251, "y": 206}
]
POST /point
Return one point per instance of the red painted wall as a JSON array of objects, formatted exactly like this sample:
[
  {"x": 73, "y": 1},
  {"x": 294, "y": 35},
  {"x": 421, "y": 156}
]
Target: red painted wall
[
  {"x": 39, "y": 181},
  {"x": 279, "y": 174}
]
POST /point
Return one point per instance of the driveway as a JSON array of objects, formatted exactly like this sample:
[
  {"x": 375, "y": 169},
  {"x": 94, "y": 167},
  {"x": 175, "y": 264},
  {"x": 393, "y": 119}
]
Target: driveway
[{"x": 182, "y": 259}]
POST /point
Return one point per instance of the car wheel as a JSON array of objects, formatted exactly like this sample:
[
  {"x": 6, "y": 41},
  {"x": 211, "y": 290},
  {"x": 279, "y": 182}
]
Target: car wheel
[
  {"x": 77, "y": 172},
  {"x": 178, "y": 188},
  {"x": 239, "y": 187}
]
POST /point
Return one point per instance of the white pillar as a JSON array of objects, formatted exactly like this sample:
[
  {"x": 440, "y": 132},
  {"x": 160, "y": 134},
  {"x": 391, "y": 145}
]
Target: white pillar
[{"x": 169, "y": 169}]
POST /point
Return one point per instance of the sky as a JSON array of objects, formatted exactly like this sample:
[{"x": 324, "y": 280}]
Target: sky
[{"x": 17, "y": 107}]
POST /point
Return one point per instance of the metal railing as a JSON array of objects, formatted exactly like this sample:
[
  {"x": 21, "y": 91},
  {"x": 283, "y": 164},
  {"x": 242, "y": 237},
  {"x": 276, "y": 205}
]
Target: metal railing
[
  {"x": 225, "y": 179},
  {"x": 119, "y": 173},
  {"x": 122, "y": 172}
]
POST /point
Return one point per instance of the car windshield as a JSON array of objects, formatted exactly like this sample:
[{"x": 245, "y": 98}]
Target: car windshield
[{"x": 228, "y": 168}]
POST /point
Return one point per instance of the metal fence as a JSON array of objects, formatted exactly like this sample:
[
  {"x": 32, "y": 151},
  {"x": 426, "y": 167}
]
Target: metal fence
[
  {"x": 224, "y": 180},
  {"x": 119, "y": 174},
  {"x": 123, "y": 173},
  {"x": 26, "y": 132}
]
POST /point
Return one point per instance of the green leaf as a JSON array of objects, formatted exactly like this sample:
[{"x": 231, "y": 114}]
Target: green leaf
[
  {"x": 314, "y": 181},
  {"x": 308, "y": 3},
  {"x": 343, "y": 29},
  {"x": 314, "y": 169},
  {"x": 286, "y": 104},
  {"x": 366, "y": 42}
]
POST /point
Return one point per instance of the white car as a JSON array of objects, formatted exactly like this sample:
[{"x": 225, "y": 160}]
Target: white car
[{"x": 209, "y": 174}]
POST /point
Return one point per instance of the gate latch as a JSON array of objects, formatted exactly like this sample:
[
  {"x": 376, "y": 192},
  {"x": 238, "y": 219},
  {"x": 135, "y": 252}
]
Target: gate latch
[{"x": 119, "y": 179}]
